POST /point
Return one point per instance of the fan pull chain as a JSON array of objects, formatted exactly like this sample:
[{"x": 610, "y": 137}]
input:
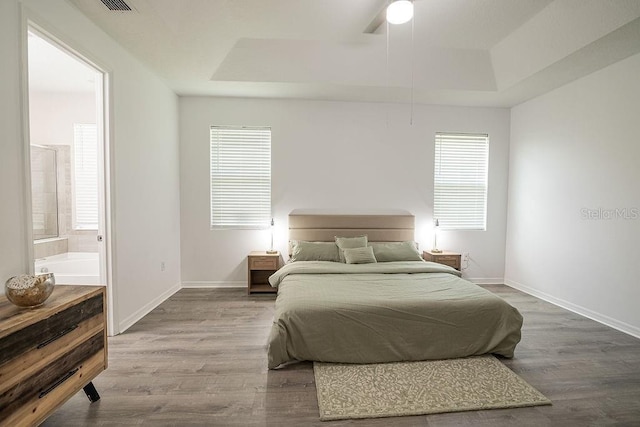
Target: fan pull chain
[
  {"x": 387, "y": 70},
  {"x": 413, "y": 55}
]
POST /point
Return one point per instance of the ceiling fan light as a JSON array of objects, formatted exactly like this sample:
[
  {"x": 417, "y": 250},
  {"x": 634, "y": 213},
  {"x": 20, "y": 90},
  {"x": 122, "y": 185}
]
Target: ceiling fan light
[{"x": 399, "y": 12}]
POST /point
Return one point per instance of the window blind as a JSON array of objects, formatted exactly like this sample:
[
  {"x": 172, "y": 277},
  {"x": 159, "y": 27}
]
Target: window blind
[
  {"x": 460, "y": 180},
  {"x": 240, "y": 177},
  {"x": 85, "y": 177}
]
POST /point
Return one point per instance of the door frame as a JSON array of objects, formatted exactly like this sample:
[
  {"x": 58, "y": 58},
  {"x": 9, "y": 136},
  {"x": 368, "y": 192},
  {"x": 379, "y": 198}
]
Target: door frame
[{"x": 106, "y": 181}]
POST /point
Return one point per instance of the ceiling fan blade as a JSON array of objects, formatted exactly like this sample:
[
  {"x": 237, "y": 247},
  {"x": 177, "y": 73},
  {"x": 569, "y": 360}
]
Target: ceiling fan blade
[{"x": 377, "y": 21}]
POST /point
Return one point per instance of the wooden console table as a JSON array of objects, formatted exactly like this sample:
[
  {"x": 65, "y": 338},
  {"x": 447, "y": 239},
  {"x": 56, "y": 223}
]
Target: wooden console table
[{"x": 49, "y": 353}]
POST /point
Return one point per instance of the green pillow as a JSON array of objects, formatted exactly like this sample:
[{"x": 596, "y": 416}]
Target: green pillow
[
  {"x": 314, "y": 251},
  {"x": 396, "y": 251},
  {"x": 350, "y": 243},
  {"x": 359, "y": 255}
]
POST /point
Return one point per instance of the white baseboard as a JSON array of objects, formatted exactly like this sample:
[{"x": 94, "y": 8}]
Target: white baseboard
[
  {"x": 486, "y": 280},
  {"x": 215, "y": 284},
  {"x": 593, "y": 315},
  {"x": 146, "y": 309}
]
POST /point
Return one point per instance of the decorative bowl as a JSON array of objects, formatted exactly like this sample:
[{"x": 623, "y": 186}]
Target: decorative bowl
[{"x": 29, "y": 291}]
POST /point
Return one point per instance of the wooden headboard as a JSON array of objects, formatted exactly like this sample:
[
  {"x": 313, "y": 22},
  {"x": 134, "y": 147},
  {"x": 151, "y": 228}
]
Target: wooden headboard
[{"x": 378, "y": 228}]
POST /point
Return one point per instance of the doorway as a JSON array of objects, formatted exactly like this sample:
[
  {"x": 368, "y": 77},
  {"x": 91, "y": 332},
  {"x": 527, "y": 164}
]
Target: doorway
[{"x": 68, "y": 152}]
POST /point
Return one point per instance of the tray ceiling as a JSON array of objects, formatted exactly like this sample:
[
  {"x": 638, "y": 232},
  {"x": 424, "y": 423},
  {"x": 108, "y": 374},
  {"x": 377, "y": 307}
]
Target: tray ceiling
[{"x": 463, "y": 52}]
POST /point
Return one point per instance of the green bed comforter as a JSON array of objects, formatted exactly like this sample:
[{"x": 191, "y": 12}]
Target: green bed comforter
[{"x": 385, "y": 312}]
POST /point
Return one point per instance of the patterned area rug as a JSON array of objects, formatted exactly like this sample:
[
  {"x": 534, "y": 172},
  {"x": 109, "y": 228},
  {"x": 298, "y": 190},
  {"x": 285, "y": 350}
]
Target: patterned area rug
[{"x": 417, "y": 388}]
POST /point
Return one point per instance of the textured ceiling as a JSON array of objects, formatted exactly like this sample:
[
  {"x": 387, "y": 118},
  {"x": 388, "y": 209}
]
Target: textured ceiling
[{"x": 461, "y": 52}]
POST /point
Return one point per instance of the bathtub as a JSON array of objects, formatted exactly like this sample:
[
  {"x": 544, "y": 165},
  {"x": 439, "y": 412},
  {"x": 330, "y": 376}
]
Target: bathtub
[{"x": 71, "y": 268}]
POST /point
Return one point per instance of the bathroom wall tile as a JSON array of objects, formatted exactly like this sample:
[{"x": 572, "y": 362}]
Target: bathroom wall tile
[
  {"x": 50, "y": 247},
  {"x": 83, "y": 241}
]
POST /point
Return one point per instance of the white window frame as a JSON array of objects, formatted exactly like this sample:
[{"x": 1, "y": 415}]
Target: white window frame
[
  {"x": 85, "y": 195},
  {"x": 460, "y": 191},
  {"x": 240, "y": 177}
]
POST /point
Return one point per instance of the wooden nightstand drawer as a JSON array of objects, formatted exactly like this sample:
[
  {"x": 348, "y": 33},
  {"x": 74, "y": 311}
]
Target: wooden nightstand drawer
[
  {"x": 452, "y": 262},
  {"x": 452, "y": 259},
  {"x": 261, "y": 266},
  {"x": 263, "y": 263}
]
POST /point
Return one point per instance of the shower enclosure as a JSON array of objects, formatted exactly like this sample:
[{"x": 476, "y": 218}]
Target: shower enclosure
[{"x": 44, "y": 192}]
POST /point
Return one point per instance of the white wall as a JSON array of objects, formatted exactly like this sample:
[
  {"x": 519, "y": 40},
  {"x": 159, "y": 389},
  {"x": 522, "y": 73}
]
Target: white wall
[
  {"x": 144, "y": 151},
  {"x": 53, "y": 114},
  {"x": 340, "y": 156},
  {"x": 572, "y": 149},
  {"x": 13, "y": 219}
]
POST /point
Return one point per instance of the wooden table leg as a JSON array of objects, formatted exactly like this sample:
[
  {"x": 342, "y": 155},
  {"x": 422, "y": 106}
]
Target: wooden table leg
[{"x": 91, "y": 392}]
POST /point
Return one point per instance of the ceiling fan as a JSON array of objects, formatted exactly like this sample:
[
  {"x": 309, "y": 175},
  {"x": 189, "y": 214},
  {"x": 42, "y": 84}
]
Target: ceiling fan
[{"x": 394, "y": 12}]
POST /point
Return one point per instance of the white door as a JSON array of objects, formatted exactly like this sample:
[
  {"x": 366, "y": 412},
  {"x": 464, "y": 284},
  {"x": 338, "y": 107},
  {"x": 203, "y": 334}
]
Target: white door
[{"x": 67, "y": 98}]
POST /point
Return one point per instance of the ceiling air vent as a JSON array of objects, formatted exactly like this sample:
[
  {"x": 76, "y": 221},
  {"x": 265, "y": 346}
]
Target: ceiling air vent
[{"x": 116, "y": 5}]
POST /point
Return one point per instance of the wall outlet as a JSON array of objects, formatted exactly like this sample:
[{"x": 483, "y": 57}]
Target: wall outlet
[
  {"x": 162, "y": 266},
  {"x": 465, "y": 256}
]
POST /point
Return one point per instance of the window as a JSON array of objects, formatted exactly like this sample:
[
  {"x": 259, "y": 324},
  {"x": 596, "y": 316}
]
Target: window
[
  {"x": 85, "y": 177},
  {"x": 460, "y": 181},
  {"x": 240, "y": 177}
]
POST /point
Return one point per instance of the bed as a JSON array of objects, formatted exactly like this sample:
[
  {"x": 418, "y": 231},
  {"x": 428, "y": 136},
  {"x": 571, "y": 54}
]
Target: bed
[{"x": 374, "y": 312}]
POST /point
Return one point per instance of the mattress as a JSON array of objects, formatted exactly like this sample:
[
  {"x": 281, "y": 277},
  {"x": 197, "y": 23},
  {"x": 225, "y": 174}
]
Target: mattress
[{"x": 385, "y": 312}]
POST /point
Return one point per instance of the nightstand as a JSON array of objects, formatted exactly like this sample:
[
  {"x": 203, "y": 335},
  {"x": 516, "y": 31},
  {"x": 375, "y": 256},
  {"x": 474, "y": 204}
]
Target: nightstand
[
  {"x": 452, "y": 259},
  {"x": 261, "y": 265}
]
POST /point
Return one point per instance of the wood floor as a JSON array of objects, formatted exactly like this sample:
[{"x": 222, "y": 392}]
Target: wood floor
[{"x": 199, "y": 359}]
